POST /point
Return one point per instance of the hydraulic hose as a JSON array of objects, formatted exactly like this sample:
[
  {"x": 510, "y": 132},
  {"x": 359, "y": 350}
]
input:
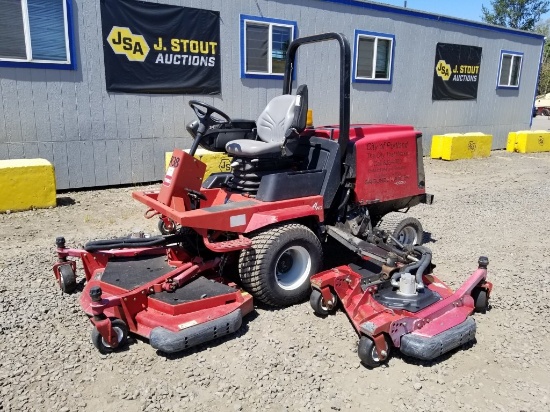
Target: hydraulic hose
[
  {"x": 129, "y": 242},
  {"x": 420, "y": 267},
  {"x": 424, "y": 263}
]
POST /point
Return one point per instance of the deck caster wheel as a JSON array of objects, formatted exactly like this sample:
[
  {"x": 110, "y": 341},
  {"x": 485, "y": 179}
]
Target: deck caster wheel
[
  {"x": 318, "y": 304},
  {"x": 368, "y": 354},
  {"x": 121, "y": 330},
  {"x": 67, "y": 279},
  {"x": 167, "y": 228},
  {"x": 481, "y": 300}
]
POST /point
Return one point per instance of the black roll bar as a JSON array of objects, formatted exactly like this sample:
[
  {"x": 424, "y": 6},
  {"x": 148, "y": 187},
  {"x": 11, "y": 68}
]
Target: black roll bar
[{"x": 345, "y": 78}]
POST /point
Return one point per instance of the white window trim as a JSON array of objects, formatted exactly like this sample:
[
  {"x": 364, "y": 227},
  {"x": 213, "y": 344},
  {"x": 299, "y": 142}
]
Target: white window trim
[
  {"x": 373, "y": 69},
  {"x": 508, "y": 85},
  {"x": 27, "y": 34},
  {"x": 269, "y": 46}
]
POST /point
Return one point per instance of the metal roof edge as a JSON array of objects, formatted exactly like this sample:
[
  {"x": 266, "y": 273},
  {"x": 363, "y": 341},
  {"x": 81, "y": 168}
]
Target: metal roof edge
[{"x": 436, "y": 17}]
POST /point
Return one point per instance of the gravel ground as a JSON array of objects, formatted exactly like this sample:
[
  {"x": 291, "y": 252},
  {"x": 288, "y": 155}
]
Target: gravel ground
[{"x": 290, "y": 359}]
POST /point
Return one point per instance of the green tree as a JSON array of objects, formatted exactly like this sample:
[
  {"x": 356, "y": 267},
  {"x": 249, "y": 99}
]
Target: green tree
[
  {"x": 544, "y": 77},
  {"x": 517, "y": 14}
]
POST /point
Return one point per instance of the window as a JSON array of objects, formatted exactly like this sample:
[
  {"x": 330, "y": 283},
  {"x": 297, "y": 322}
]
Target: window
[
  {"x": 373, "y": 60},
  {"x": 264, "y": 43},
  {"x": 510, "y": 69},
  {"x": 36, "y": 33}
]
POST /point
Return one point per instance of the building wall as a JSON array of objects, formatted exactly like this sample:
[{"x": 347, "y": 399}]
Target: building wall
[{"x": 95, "y": 138}]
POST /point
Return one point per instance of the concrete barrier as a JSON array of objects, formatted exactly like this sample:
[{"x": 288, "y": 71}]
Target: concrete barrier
[
  {"x": 528, "y": 141},
  {"x": 26, "y": 184},
  {"x": 454, "y": 146},
  {"x": 215, "y": 161}
]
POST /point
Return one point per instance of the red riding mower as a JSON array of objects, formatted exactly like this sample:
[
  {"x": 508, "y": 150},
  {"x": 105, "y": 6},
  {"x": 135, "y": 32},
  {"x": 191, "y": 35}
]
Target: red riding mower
[{"x": 290, "y": 188}]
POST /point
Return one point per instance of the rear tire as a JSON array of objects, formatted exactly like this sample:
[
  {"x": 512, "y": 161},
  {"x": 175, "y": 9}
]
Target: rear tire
[
  {"x": 277, "y": 268},
  {"x": 408, "y": 231}
]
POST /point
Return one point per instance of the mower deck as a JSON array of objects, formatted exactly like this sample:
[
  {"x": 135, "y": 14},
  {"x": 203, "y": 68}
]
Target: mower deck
[
  {"x": 174, "y": 304},
  {"x": 424, "y": 325}
]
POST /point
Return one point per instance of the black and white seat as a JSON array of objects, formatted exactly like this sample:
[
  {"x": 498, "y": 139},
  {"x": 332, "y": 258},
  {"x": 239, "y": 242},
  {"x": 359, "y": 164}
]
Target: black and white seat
[
  {"x": 284, "y": 117},
  {"x": 277, "y": 128}
]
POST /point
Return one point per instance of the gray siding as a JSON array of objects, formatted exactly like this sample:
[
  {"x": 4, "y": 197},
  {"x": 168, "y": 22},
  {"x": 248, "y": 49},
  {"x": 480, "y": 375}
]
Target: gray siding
[{"x": 95, "y": 138}]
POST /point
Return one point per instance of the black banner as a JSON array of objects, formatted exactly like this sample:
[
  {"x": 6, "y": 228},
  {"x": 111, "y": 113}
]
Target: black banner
[
  {"x": 456, "y": 74},
  {"x": 156, "y": 48}
]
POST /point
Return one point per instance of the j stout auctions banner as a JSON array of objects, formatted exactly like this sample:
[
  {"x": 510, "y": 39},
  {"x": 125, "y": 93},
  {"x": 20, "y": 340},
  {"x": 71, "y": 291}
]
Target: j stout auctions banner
[
  {"x": 155, "y": 48},
  {"x": 456, "y": 73}
]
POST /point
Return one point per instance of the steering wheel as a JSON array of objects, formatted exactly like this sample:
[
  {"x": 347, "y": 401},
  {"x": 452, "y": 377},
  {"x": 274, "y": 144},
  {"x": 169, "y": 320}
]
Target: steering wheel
[{"x": 205, "y": 114}]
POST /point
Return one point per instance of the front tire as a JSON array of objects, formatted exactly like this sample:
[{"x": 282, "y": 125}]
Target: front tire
[
  {"x": 318, "y": 304},
  {"x": 67, "y": 279},
  {"x": 121, "y": 331},
  {"x": 368, "y": 354},
  {"x": 481, "y": 300},
  {"x": 277, "y": 268}
]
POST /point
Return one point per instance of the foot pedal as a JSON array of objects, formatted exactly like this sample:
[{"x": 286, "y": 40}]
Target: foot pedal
[{"x": 229, "y": 245}]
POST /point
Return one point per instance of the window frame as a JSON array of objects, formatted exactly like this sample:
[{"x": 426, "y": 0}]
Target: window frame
[
  {"x": 69, "y": 64},
  {"x": 373, "y": 35},
  {"x": 244, "y": 19},
  {"x": 499, "y": 73}
]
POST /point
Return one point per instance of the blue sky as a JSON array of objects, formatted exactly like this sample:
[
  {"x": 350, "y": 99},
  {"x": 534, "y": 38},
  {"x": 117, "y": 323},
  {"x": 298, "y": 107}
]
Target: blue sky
[{"x": 464, "y": 9}]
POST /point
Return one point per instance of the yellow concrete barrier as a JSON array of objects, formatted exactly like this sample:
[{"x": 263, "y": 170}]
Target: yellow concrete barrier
[
  {"x": 26, "y": 184},
  {"x": 454, "y": 146},
  {"x": 215, "y": 161},
  {"x": 528, "y": 141}
]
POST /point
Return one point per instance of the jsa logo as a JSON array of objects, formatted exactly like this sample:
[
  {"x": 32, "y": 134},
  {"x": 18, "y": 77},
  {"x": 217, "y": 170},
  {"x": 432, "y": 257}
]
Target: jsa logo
[
  {"x": 443, "y": 69},
  {"x": 133, "y": 46}
]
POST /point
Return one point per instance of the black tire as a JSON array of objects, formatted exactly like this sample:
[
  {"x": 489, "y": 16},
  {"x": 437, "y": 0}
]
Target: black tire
[
  {"x": 319, "y": 305},
  {"x": 67, "y": 279},
  {"x": 407, "y": 231},
  {"x": 368, "y": 354},
  {"x": 120, "y": 329},
  {"x": 481, "y": 300},
  {"x": 545, "y": 112},
  {"x": 167, "y": 229},
  {"x": 271, "y": 269}
]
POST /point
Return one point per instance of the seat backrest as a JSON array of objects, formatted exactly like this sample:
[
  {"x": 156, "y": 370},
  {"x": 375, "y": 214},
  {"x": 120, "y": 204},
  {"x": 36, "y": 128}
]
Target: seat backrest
[{"x": 281, "y": 114}]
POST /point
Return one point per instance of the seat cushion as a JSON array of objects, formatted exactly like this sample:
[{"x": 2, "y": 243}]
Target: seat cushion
[{"x": 252, "y": 148}]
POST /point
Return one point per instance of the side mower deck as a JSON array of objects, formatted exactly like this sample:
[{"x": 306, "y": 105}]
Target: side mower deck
[
  {"x": 156, "y": 293},
  {"x": 423, "y": 321}
]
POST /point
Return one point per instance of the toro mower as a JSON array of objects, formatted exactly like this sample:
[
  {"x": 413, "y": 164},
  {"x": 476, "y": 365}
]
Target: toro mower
[
  {"x": 262, "y": 226},
  {"x": 393, "y": 300}
]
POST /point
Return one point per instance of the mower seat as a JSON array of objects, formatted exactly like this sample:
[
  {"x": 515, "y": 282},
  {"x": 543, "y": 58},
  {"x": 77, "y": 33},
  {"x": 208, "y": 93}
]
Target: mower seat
[{"x": 283, "y": 117}]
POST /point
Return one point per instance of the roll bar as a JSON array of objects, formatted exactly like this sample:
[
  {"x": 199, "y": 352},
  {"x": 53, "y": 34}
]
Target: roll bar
[{"x": 345, "y": 78}]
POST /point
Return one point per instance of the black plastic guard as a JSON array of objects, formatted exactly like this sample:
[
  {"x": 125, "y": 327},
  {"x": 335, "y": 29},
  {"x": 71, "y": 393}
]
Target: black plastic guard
[
  {"x": 425, "y": 348},
  {"x": 170, "y": 342}
]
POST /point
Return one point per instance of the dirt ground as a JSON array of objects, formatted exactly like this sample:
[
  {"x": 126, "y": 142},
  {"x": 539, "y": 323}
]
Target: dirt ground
[{"x": 290, "y": 359}]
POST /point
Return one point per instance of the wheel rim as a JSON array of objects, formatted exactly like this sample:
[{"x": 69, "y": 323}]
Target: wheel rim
[
  {"x": 407, "y": 236},
  {"x": 119, "y": 337},
  {"x": 292, "y": 267},
  {"x": 374, "y": 354}
]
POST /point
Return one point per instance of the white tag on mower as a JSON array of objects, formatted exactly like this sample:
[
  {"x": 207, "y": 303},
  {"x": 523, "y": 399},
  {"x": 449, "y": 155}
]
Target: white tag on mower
[{"x": 187, "y": 324}]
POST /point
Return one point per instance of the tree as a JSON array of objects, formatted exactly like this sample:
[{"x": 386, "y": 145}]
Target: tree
[
  {"x": 517, "y": 14},
  {"x": 544, "y": 76}
]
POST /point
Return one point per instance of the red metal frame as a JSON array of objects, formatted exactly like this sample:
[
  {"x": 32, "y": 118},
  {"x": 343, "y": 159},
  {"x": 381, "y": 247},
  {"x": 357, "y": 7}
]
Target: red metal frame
[{"x": 372, "y": 319}]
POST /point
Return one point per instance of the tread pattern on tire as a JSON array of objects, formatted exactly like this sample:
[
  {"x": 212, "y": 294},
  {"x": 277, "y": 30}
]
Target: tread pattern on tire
[
  {"x": 250, "y": 267},
  {"x": 390, "y": 221}
]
